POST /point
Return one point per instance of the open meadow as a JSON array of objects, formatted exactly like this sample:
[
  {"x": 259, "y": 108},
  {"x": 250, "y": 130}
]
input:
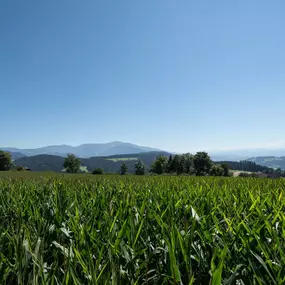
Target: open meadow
[{"x": 84, "y": 229}]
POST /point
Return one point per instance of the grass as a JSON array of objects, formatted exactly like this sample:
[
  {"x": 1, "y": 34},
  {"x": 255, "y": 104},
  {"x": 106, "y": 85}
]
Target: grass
[
  {"x": 238, "y": 172},
  {"x": 84, "y": 229},
  {"x": 122, "y": 159},
  {"x": 83, "y": 168}
]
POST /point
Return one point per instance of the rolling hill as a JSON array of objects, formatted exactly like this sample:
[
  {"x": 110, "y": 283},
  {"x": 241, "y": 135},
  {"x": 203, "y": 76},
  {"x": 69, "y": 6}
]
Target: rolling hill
[
  {"x": 270, "y": 161},
  {"x": 16, "y": 155},
  {"x": 243, "y": 154},
  {"x": 110, "y": 164}
]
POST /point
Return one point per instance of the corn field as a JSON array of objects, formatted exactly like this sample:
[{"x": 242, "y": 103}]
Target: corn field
[{"x": 81, "y": 229}]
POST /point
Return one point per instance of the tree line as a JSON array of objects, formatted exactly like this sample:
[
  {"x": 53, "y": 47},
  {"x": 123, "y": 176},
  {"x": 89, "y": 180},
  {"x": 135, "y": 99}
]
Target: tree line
[
  {"x": 250, "y": 166},
  {"x": 245, "y": 165},
  {"x": 199, "y": 164}
]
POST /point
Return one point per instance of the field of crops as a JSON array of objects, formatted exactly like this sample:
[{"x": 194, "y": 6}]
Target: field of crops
[{"x": 141, "y": 230}]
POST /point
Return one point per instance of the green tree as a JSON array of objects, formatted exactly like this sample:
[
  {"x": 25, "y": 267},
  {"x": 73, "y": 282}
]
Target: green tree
[
  {"x": 169, "y": 162},
  {"x": 217, "y": 170},
  {"x": 188, "y": 163},
  {"x": 226, "y": 169},
  {"x": 176, "y": 164},
  {"x": 202, "y": 163},
  {"x": 181, "y": 163},
  {"x": 5, "y": 161},
  {"x": 124, "y": 168},
  {"x": 72, "y": 164},
  {"x": 20, "y": 168},
  {"x": 140, "y": 168},
  {"x": 98, "y": 171},
  {"x": 160, "y": 165}
]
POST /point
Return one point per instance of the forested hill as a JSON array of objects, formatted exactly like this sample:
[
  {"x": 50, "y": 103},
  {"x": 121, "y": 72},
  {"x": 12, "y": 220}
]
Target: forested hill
[
  {"x": 269, "y": 161},
  {"x": 110, "y": 164},
  {"x": 245, "y": 165}
]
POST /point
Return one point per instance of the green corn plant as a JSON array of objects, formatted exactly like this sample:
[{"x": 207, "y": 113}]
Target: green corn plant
[{"x": 82, "y": 229}]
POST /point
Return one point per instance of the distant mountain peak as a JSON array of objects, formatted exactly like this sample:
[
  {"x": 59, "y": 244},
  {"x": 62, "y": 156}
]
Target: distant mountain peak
[{"x": 86, "y": 150}]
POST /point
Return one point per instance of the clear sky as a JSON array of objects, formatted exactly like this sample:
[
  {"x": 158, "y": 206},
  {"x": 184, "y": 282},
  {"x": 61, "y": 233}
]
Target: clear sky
[{"x": 179, "y": 75}]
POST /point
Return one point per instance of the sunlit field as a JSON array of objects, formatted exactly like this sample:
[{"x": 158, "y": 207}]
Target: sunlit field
[{"x": 84, "y": 229}]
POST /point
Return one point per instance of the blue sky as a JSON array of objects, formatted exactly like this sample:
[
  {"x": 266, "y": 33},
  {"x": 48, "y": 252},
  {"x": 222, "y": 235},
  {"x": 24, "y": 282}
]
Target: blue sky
[{"x": 178, "y": 75}]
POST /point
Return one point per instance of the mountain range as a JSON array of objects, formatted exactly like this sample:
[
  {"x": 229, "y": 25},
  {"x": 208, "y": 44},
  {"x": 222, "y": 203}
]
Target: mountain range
[
  {"x": 116, "y": 148},
  {"x": 273, "y": 158},
  {"x": 83, "y": 151}
]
